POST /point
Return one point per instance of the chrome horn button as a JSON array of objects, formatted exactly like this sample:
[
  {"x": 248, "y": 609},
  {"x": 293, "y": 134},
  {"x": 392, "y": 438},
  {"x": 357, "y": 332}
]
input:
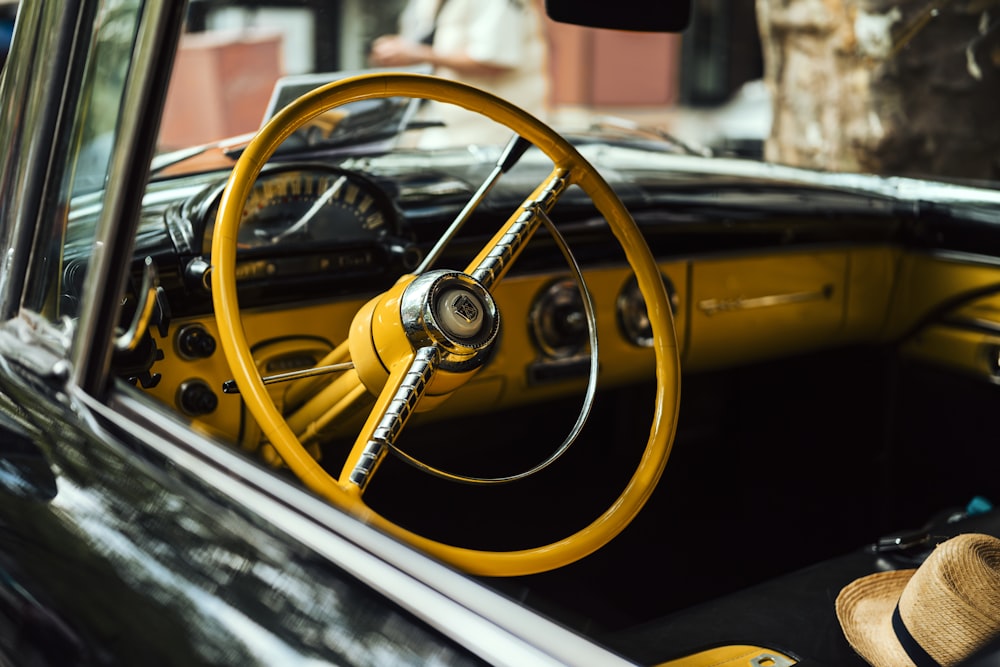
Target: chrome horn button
[
  {"x": 460, "y": 313},
  {"x": 452, "y": 311}
]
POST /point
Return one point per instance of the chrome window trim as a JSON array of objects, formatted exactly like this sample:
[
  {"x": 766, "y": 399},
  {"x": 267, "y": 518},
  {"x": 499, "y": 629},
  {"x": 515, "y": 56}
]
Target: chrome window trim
[
  {"x": 160, "y": 25},
  {"x": 38, "y": 79}
]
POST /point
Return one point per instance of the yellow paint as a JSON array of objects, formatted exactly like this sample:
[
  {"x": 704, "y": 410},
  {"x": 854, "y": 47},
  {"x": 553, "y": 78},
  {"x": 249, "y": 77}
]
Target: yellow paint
[
  {"x": 807, "y": 313},
  {"x": 858, "y": 316},
  {"x": 964, "y": 341},
  {"x": 968, "y": 351},
  {"x": 871, "y": 272},
  {"x": 316, "y": 321},
  {"x": 501, "y": 384},
  {"x": 925, "y": 282},
  {"x": 732, "y": 656}
]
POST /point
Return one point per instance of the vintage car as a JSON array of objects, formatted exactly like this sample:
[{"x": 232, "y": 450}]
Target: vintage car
[{"x": 325, "y": 397}]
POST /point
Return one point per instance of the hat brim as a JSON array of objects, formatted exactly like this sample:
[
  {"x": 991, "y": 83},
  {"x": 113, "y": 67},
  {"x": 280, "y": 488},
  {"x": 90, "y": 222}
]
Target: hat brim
[{"x": 865, "y": 607}]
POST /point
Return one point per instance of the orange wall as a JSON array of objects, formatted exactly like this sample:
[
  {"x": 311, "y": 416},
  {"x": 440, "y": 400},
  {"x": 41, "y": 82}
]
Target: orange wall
[
  {"x": 611, "y": 67},
  {"x": 220, "y": 86}
]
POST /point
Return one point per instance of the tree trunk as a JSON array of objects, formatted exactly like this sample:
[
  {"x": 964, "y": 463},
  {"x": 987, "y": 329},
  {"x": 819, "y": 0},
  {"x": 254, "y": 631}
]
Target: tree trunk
[{"x": 908, "y": 87}]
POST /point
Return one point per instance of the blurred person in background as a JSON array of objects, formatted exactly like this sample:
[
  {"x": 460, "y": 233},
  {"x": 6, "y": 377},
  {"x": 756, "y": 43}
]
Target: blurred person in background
[{"x": 496, "y": 45}]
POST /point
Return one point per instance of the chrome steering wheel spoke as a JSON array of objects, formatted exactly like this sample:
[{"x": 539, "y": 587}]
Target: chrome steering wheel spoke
[
  {"x": 511, "y": 154},
  {"x": 406, "y": 387},
  {"x": 493, "y": 262}
]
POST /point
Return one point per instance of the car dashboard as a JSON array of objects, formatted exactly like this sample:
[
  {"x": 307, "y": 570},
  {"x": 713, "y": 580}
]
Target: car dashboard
[{"x": 319, "y": 238}]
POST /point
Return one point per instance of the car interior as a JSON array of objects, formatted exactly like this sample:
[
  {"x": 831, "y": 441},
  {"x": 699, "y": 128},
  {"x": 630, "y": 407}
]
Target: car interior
[{"x": 838, "y": 354}]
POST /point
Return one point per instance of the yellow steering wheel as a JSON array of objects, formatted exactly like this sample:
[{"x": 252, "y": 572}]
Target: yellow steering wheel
[{"x": 429, "y": 333}]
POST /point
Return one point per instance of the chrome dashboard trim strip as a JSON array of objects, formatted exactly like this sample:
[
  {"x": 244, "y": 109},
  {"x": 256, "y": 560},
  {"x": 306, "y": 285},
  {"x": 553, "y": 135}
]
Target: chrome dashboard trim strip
[{"x": 714, "y": 306}]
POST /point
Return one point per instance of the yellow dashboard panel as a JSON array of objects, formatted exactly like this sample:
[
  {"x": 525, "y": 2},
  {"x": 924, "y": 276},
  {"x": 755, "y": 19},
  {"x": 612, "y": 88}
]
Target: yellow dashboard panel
[
  {"x": 297, "y": 337},
  {"x": 966, "y": 338},
  {"x": 728, "y": 311},
  {"x": 754, "y": 308},
  {"x": 929, "y": 284},
  {"x": 747, "y": 309}
]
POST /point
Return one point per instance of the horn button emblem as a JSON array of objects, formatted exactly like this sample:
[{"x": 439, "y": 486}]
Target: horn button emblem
[
  {"x": 460, "y": 313},
  {"x": 453, "y": 311}
]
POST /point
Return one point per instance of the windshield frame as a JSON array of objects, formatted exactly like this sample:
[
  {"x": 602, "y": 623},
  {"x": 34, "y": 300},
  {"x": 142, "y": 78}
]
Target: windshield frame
[
  {"x": 42, "y": 215},
  {"x": 42, "y": 72},
  {"x": 160, "y": 25}
]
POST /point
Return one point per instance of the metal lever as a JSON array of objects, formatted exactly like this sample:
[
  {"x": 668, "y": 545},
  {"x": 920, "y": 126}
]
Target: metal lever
[
  {"x": 129, "y": 341},
  {"x": 512, "y": 153},
  {"x": 229, "y": 386}
]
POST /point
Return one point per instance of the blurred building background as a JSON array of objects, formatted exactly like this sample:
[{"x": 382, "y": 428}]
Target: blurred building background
[{"x": 679, "y": 77}]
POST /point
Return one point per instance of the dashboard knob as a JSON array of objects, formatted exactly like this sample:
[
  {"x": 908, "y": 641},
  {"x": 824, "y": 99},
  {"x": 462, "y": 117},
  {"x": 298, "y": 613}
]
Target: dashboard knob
[
  {"x": 196, "y": 398},
  {"x": 194, "y": 342},
  {"x": 197, "y": 272}
]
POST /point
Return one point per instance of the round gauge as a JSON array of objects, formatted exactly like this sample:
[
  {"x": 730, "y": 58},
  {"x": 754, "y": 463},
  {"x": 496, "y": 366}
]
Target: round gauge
[
  {"x": 558, "y": 321},
  {"x": 308, "y": 206},
  {"x": 632, "y": 315}
]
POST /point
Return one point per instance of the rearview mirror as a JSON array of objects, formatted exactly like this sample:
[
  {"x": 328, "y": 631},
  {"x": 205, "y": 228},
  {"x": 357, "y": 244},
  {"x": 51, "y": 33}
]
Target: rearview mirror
[{"x": 639, "y": 15}]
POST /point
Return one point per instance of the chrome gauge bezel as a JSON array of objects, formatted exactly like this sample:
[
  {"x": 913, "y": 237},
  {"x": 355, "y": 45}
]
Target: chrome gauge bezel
[
  {"x": 633, "y": 319},
  {"x": 542, "y": 320},
  {"x": 373, "y": 207}
]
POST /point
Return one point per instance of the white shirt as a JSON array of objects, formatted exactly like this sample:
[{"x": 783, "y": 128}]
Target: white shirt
[{"x": 505, "y": 33}]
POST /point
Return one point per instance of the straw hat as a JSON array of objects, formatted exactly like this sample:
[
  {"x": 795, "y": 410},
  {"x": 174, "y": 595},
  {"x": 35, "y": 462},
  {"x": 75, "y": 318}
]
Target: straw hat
[{"x": 949, "y": 607}]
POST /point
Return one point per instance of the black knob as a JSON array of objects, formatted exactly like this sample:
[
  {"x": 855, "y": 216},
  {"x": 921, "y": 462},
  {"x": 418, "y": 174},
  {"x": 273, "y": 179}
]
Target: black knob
[
  {"x": 196, "y": 398},
  {"x": 194, "y": 342},
  {"x": 197, "y": 274}
]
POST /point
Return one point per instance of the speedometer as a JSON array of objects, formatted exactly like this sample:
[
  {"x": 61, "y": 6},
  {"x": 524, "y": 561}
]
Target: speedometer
[{"x": 309, "y": 206}]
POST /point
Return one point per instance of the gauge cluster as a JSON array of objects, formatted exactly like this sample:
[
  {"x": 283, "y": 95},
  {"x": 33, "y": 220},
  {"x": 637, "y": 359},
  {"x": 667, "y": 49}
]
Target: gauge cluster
[{"x": 306, "y": 220}]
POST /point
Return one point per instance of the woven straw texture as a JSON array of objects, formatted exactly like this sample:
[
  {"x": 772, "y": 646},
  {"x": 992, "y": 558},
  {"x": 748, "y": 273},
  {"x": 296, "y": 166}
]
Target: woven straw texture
[{"x": 951, "y": 605}]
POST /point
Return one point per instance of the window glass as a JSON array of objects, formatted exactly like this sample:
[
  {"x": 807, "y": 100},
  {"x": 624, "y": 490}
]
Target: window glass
[{"x": 55, "y": 290}]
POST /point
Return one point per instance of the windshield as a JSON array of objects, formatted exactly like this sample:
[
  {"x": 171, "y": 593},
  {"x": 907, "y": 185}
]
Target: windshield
[
  {"x": 240, "y": 63},
  {"x": 104, "y": 84},
  {"x": 761, "y": 99},
  {"x": 895, "y": 94}
]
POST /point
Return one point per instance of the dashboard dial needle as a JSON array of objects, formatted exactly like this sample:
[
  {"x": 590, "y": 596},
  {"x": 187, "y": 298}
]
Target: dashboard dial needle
[{"x": 323, "y": 200}]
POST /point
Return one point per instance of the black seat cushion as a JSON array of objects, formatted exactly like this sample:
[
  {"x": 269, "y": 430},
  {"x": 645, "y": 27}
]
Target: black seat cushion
[{"x": 793, "y": 614}]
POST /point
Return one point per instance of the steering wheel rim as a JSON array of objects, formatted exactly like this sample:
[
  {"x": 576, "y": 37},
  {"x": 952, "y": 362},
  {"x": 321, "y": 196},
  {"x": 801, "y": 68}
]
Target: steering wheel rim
[{"x": 578, "y": 171}]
